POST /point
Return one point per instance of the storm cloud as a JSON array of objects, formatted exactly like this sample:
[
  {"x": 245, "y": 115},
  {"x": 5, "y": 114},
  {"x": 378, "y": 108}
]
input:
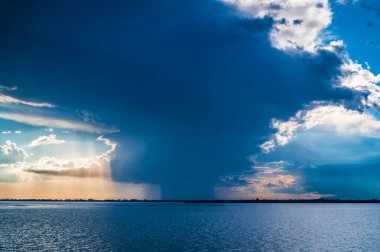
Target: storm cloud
[{"x": 191, "y": 85}]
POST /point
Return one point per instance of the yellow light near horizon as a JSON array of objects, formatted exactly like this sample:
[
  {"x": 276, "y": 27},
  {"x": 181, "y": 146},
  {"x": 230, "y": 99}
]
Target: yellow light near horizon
[
  {"x": 74, "y": 188},
  {"x": 71, "y": 170}
]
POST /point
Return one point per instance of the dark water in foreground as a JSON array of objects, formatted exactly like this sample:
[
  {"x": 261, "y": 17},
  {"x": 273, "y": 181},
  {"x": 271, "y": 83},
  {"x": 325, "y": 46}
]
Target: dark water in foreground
[{"x": 39, "y": 226}]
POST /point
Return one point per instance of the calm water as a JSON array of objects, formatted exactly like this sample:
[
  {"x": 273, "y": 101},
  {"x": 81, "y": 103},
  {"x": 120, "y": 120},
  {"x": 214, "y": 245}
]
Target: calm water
[{"x": 189, "y": 227}]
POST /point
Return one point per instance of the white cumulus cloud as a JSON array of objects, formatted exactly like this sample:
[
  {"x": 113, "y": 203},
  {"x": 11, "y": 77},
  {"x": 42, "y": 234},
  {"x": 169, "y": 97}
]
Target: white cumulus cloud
[
  {"x": 10, "y": 153},
  {"x": 360, "y": 79},
  {"x": 95, "y": 166},
  {"x": 334, "y": 118},
  {"x": 298, "y": 24},
  {"x": 43, "y": 140}
]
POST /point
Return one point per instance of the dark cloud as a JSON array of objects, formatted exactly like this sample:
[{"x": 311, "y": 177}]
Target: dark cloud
[
  {"x": 234, "y": 181},
  {"x": 275, "y": 7},
  {"x": 211, "y": 131},
  {"x": 329, "y": 163},
  {"x": 319, "y": 5},
  {"x": 283, "y": 21},
  {"x": 190, "y": 85},
  {"x": 297, "y": 21},
  {"x": 346, "y": 181}
]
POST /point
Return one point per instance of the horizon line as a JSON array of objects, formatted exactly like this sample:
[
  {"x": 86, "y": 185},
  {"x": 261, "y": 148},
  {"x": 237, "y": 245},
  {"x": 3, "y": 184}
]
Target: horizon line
[{"x": 320, "y": 200}]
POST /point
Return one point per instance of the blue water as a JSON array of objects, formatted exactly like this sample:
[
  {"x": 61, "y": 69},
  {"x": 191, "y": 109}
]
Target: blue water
[{"x": 26, "y": 226}]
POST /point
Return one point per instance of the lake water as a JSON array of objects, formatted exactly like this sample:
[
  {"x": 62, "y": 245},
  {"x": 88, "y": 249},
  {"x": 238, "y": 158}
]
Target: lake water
[{"x": 39, "y": 226}]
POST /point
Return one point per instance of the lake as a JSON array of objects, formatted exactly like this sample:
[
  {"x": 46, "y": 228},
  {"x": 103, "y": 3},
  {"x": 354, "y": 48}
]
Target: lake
[{"x": 98, "y": 226}]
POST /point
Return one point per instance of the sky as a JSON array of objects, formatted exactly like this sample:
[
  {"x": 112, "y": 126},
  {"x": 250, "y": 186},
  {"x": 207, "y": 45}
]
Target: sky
[{"x": 202, "y": 99}]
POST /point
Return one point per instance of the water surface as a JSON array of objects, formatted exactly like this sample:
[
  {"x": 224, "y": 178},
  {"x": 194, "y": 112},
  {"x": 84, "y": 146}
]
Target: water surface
[{"x": 26, "y": 226}]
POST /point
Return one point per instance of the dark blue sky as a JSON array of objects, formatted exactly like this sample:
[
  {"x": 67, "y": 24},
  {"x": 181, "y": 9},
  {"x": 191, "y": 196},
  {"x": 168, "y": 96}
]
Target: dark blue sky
[{"x": 191, "y": 86}]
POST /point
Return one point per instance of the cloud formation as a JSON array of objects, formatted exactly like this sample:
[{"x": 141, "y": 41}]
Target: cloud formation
[
  {"x": 233, "y": 81},
  {"x": 56, "y": 123},
  {"x": 336, "y": 119},
  {"x": 298, "y": 25},
  {"x": 43, "y": 140},
  {"x": 95, "y": 166},
  {"x": 333, "y": 118},
  {"x": 7, "y": 88},
  {"x": 362, "y": 80},
  {"x": 109, "y": 154},
  {"x": 88, "y": 167},
  {"x": 269, "y": 180},
  {"x": 11, "y": 100},
  {"x": 10, "y": 153}
]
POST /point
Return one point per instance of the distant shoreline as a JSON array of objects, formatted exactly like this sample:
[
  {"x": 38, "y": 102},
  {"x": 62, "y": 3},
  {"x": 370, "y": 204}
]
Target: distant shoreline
[{"x": 255, "y": 201}]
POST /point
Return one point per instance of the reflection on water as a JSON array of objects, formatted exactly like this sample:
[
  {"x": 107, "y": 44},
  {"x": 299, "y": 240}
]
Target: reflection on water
[{"x": 54, "y": 226}]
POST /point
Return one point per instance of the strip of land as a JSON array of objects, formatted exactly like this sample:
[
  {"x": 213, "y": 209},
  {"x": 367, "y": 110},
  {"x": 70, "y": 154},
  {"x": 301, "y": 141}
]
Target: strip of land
[{"x": 204, "y": 201}]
